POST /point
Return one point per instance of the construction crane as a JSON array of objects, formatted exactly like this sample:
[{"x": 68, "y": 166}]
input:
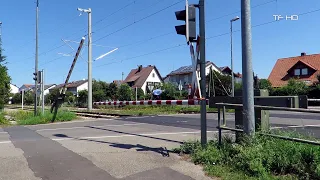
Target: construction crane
[{"x": 59, "y": 99}]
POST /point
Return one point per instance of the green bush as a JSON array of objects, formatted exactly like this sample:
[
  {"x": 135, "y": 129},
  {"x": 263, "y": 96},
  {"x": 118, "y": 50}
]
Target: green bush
[
  {"x": 263, "y": 158},
  {"x": 3, "y": 120},
  {"x": 28, "y": 118}
]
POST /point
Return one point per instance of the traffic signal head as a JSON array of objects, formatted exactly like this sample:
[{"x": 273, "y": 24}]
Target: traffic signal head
[
  {"x": 189, "y": 29},
  {"x": 35, "y": 76}
]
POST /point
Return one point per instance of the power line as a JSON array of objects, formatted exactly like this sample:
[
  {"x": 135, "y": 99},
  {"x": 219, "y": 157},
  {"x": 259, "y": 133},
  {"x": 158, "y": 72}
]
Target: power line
[
  {"x": 135, "y": 22},
  {"x": 236, "y": 12},
  {"x": 126, "y": 17},
  {"x": 154, "y": 52},
  {"x": 120, "y": 9},
  {"x": 179, "y": 45}
]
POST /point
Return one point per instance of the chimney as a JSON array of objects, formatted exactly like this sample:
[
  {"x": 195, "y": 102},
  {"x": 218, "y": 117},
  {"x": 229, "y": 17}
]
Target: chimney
[
  {"x": 303, "y": 54},
  {"x": 139, "y": 68}
]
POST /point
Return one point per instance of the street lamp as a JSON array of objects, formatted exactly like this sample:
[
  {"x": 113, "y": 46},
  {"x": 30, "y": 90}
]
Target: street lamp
[
  {"x": 89, "y": 57},
  {"x": 232, "y": 74}
]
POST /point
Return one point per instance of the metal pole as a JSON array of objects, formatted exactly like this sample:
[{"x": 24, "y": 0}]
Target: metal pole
[
  {"x": 232, "y": 61},
  {"x": 22, "y": 98},
  {"x": 203, "y": 72},
  {"x": 0, "y": 41},
  {"x": 247, "y": 89},
  {"x": 89, "y": 62},
  {"x": 36, "y": 62},
  {"x": 42, "y": 91}
]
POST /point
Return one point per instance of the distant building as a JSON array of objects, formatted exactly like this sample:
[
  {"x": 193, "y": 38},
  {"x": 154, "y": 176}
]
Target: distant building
[
  {"x": 14, "y": 89},
  {"x": 304, "y": 67},
  {"x": 184, "y": 74},
  {"x": 227, "y": 71},
  {"x": 26, "y": 87},
  {"x": 74, "y": 86},
  {"x": 142, "y": 77},
  {"x": 117, "y": 82}
]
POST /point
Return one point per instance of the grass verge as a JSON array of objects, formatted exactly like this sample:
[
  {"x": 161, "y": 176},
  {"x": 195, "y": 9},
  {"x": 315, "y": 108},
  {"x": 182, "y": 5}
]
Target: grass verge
[
  {"x": 3, "y": 120},
  {"x": 153, "y": 110},
  {"x": 262, "y": 158},
  {"x": 28, "y": 118}
]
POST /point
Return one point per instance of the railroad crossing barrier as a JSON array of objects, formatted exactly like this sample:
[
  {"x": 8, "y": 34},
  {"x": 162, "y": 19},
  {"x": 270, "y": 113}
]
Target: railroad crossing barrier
[
  {"x": 261, "y": 98},
  {"x": 153, "y": 102},
  {"x": 222, "y": 125},
  {"x": 314, "y": 100}
]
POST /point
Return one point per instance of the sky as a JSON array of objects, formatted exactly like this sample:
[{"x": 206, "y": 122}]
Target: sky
[{"x": 144, "y": 33}]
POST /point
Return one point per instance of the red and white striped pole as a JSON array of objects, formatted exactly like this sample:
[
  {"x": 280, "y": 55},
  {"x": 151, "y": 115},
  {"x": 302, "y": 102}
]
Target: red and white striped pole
[{"x": 150, "y": 102}]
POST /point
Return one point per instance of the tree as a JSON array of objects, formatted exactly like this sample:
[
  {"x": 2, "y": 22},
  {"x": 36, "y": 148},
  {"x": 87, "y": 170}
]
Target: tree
[
  {"x": 169, "y": 92},
  {"x": 4, "y": 80},
  {"x": 124, "y": 92},
  {"x": 113, "y": 89},
  {"x": 16, "y": 98},
  {"x": 293, "y": 88},
  {"x": 140, "y": 93},
  {"x": 222, "y": 83},
  {"x": 29, "y": 98},
  {"x": 265, "y": 84},
  {"x": 101, "y": 91},
  {"x": 82, "y": 98}
]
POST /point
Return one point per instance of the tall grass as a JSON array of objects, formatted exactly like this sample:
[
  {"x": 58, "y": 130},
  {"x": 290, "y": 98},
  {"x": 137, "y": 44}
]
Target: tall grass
[
  {"x": 3, "y": 120},
  {"x": 262, "y": 158},
  {"x": 28, "y": 118}
]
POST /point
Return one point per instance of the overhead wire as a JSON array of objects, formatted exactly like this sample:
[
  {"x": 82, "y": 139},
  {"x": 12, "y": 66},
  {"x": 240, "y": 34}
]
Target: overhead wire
[
  {"x": 179, "y": 45},
  {"x": 135, "y": 22},
  {"x": 128, "y": 16}
]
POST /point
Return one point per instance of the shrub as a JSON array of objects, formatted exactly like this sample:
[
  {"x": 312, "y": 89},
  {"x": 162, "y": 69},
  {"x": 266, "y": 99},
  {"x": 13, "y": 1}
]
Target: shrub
[
  {"x": 3, "y": 120},
  {"x": 28, "y": 118},
  {"x": 264, "y": 158}
]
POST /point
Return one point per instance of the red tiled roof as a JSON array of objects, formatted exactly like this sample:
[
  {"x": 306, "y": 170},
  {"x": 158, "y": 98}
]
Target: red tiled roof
[
  {"x": 72, "y": 84},
  {"x": 282, "y": 65},
  {"x": 140, "y": 77}
]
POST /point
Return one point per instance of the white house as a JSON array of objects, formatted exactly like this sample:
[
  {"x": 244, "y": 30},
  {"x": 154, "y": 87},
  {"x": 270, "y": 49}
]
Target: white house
[
  {"x": 14, "y": 89},
  {"x": 144, "y": 78},
  {"x": 184, "y": 74},
  {"x": 48, "y": 87},
  {"x": 74, "y": 86}
]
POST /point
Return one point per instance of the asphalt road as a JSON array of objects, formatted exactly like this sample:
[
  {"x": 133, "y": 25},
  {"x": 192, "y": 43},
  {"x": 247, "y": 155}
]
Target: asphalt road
[{"x": 118, "y": 148}]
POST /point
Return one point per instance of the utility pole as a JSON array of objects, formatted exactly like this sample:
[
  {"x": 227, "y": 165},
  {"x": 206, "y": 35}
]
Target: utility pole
[
  {"x": 22, "y": 98},
  {"x": 36, "y": 62},
  {"x": 89, "y": 57},
  {"x": 0, "y": 41},
  {"x": 247, "y": 89},
  {"x": 203, "y": 106},
  {"x": 122, "y": 75},
  {"x": 42, "y": 91},
  {"x": 232, "y": 73}
]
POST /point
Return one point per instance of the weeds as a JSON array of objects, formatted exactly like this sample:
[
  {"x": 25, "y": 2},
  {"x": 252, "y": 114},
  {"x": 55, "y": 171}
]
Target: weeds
[
  {"x": 28, "y": 118},
  {"x": 3, "y": 120},
  {"x": 264, "y": 158}
]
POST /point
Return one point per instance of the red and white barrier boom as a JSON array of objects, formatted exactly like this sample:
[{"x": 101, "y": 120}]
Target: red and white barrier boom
[{"x": 153, "y": 102}]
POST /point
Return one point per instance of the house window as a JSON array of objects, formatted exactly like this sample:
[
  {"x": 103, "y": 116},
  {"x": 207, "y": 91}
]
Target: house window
[
  {"x": 153, "y": 75},
  {"x": 304, "y": 71},
  {"x": 297, "y": 72}
]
